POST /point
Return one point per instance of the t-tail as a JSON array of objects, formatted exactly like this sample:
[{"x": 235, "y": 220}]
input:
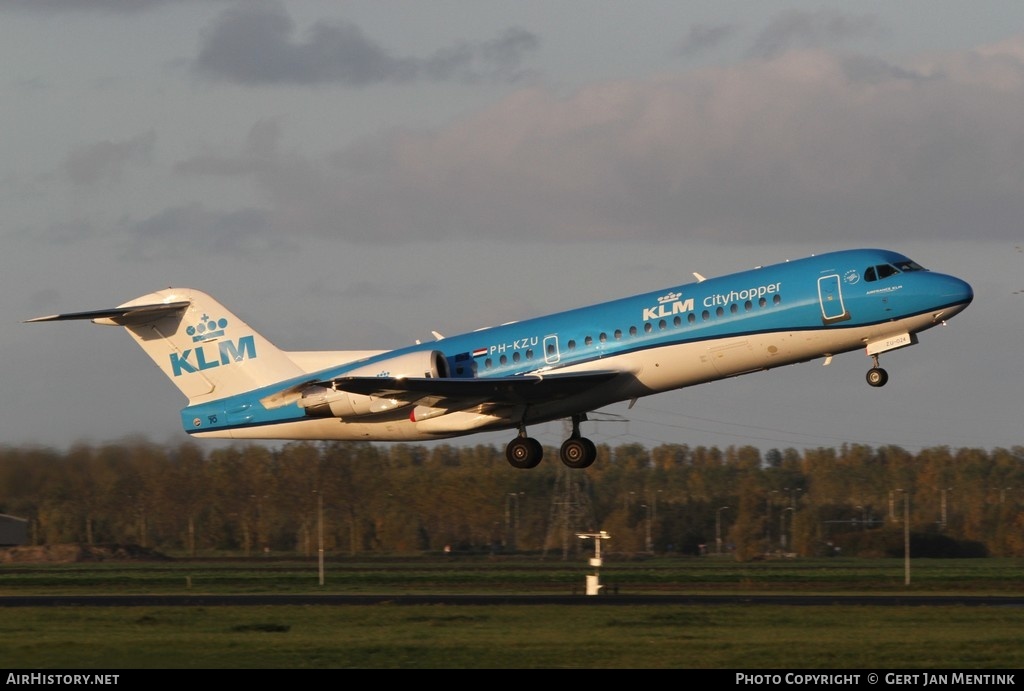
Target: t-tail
[{"x": 207, "y": 351}]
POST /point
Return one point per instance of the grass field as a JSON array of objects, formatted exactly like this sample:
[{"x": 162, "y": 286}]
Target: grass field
[{"x": 514, "y": 637}]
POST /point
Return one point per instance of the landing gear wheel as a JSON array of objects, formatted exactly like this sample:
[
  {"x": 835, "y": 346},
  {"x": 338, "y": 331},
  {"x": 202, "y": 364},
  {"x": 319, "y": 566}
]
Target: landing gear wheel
[
  {"x": 877, "y": 376},
  {"x": 524, "y": 452},
  {"x": 578, "y": 452}
]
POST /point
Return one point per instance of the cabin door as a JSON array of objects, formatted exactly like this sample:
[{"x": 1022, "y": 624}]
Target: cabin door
[{"x": 830, "y": 295}]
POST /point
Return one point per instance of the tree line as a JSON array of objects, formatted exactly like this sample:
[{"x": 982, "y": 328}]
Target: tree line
[{"x": 352, "y": 498}]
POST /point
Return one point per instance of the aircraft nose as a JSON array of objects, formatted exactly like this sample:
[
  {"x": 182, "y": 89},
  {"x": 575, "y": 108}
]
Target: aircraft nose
[
  {"x": 954, "y": 293},
  {"x": 959, "y": 291}
]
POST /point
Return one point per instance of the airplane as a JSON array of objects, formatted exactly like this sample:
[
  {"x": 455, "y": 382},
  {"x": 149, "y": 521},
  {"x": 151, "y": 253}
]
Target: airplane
[{"x": 238, "y": 385}]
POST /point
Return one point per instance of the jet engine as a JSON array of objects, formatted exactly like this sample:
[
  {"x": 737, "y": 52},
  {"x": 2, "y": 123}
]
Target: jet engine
[{"x": 326, "y": 400}]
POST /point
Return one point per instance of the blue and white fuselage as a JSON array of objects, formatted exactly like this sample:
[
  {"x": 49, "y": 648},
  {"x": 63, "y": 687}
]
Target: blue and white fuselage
[{"x": 558, "y": 366}]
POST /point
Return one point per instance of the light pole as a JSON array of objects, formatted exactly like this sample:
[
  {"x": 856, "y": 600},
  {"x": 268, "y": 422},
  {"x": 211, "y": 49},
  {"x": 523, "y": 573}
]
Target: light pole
[
  {"x": 906, "y": 536},
  {"x": 768, "y": 522},
  {"x": 320, "y": 534},
  {"x": 647, "y": 537},
  {"x": 512, "y": 519},
  {"x": 718, "y": 528},
  {"x": 654, "y": 518},
  {"x": 782, "y": 526},
  {"x": 942, "y": 519}
]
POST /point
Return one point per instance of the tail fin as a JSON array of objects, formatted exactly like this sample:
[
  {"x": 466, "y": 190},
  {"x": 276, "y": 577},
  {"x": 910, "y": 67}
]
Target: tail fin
[{"x": 207, "y": 351}]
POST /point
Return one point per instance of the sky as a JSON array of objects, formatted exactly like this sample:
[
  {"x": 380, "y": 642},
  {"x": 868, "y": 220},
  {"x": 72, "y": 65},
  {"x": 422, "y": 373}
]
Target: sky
[{"x": 356, "y": 175}]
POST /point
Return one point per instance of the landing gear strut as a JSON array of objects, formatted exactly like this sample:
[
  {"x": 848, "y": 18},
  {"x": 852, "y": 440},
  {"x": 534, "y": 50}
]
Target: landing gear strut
[
  {"x": 876, "y": 375},
  {"x": 576, "y": 452}
]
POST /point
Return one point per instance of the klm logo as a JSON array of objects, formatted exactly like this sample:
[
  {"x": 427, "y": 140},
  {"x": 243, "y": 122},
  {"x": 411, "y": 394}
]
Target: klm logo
[
  {"x": 203, "y": 357},
  {"x": 668, "y": 305},
  {"x": 207, "y": 329},
  {"x": 191, "y": 360}
]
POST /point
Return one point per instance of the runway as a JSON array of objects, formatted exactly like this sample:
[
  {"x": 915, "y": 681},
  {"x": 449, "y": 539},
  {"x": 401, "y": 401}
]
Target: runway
[{"x": 491, "y": 600}]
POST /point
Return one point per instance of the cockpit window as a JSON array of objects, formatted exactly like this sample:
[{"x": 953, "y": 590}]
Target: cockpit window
[
  {"x": 877, "y": 273},
  {"x": 909, "y": 266},
  {"x": 886, "y": 270}
]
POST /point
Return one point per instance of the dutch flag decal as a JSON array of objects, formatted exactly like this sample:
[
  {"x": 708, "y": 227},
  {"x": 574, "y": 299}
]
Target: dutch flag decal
[{"x": 480, "y": 352}]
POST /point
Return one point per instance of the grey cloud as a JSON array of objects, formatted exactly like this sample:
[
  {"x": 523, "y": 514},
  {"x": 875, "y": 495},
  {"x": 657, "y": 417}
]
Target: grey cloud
[
  {"x": 702, "y": 37},
  {"x": 795, "y": 29},
  {"x": 106, "y": 161},
  {"x": 93, "y": 5},
  {"x": 789, "y": 150},
  {"x": 873, "y": 70},
  {"x": 194, "y": 230},
  {"x": 252, "y": 44},
  {"x": 260, "y": 144}
]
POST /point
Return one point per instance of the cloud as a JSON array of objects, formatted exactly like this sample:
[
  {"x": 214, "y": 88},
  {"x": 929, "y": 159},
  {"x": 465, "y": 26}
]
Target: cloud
[
  {"x": 94, "y": 5},
  {"x": 804, "y": 147},
  {"x": 106, "y": 161},
  {"x": 192, "y": 230},
  {"x": 702, "y": 38},
  {"x": 796, "y": 29},
  {"x": 253, "y": 44}
]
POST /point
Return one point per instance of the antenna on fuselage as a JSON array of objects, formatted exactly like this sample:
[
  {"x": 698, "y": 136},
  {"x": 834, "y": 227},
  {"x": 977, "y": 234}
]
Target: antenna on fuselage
[{"x": 700, "y": 279}]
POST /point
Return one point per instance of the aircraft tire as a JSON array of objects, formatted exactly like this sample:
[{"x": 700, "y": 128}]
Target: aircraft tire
[
  {"x": 877, "y": 376},
  {"x": 578, "y": 452},
  {"x": 524, "y": 452}
]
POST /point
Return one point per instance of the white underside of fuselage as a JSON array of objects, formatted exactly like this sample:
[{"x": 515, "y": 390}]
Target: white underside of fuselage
[{"x": 645, "y": 372}]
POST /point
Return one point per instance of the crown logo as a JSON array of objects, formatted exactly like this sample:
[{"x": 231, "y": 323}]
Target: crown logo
[
  {"x": 671, "y": 297},
  {"x": 207, "y": 329}
]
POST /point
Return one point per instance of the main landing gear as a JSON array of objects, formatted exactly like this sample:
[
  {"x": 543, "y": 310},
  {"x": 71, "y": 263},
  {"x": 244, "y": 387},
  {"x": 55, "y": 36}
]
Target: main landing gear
[
  {"x": 576, "y": 452},
  {"x": 876, "y": 375}
]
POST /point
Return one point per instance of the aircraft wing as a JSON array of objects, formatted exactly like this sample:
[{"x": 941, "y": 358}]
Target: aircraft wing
[{"x": 529, "y": 388}]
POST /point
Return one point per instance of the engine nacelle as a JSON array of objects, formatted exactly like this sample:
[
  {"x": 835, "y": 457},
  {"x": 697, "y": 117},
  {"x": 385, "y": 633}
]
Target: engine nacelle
[{"x": 324, "y": 401}]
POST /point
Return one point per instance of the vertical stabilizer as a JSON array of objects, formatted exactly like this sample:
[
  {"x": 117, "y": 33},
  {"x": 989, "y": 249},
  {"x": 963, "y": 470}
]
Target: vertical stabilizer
[{"x": 207, "y": 351}]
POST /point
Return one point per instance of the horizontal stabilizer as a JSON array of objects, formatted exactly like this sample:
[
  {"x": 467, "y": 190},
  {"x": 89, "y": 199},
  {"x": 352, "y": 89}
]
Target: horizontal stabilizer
[{"x": 121, "y": 316}]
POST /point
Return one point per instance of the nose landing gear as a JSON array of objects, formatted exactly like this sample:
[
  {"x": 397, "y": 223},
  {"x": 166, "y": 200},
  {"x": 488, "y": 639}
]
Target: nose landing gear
[{"x": 876, "y": 375}]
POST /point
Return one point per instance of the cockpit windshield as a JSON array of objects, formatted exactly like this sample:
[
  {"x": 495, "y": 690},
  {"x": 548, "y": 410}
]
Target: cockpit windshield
[{"x": 880, "y": 271}]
